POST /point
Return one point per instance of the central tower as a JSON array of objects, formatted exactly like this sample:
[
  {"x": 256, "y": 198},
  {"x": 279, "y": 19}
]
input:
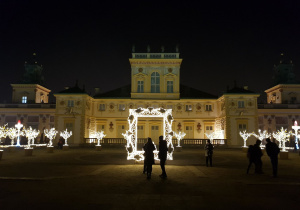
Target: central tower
[{"x": 155, "y": 75}]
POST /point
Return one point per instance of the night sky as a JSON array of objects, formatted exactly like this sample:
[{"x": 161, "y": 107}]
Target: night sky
[{"x": 91, "y": 42}]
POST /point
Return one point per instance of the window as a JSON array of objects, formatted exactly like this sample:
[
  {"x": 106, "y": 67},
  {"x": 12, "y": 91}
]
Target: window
[
  {"x": 209, "y": 128},
  {"x": 24, "y": 99},
  {"x": 169, "y": 106},
  {"x": 208, "y": 107},
  {"x": 155, "y": 82},
  {"x": 102, "y": 107},
  {"x": 169, "y": 86},
  {"x": 140, "y": 88},
  {"x": 70, "y": 103},
  {"x": 189, "y": 132},
  {"x": 241, "y": 104},
  {"x": 101, "y": 127},
  {"x": 121, "y": 107},
  {"x": 188, "y": 108},
  {"x": 242, "y": 127}
]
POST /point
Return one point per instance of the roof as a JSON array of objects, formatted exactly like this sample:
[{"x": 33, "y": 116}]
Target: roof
[
  {"x": 185, "y": 92},
  {"x": 73, "y": 90},
  {"x": 237, "y": 90}
]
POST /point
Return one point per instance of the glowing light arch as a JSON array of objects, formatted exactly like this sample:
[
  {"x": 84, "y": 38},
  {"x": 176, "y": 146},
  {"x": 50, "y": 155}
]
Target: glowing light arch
[{"x": 131, "y": 134}]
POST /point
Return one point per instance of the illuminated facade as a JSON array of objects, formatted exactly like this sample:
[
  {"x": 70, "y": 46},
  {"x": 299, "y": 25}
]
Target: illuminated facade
[{"x": 155, "y": 82}]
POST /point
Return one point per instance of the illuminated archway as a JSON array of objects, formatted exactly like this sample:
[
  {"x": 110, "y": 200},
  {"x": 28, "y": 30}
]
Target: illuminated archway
[{"x": 131, "y": 134}]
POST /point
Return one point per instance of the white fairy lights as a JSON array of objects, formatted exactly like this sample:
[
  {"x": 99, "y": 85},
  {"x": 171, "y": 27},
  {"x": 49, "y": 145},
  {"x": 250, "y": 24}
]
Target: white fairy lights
[
  {"x": 296, "y": 128},
  {"x": 51, "y": 135},
  {"x": 245, "y": 136},
  {"x": 131, "y": 133},
  {"x": 65, "y": 134},
  {"x": 282, "y": 136},
  {"x": 3, "y": 132},
  {"x": 12, "y": 134},
  {"x": 99, "y": 136},
  {"x": 18, "y": 126},
  {"x": 180, "y": 135},
  {"x": 31, "y": 134}
]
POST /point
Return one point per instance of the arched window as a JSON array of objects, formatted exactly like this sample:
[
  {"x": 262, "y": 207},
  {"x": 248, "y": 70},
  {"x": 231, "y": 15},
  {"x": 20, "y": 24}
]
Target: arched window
[{"x": 155, "y": 82}]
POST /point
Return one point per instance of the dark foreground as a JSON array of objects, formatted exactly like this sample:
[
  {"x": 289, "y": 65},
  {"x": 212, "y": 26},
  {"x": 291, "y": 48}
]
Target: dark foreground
[{"x": 87, "y": 179}]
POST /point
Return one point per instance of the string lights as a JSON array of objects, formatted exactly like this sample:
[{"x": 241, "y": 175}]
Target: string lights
[
  {"x": 65, "y": 134},
  {"x": 51, "y": 135}
]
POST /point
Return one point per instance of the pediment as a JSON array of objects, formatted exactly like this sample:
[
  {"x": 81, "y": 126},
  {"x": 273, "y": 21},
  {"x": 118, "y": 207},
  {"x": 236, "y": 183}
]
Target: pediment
[
  {"x": 170, "y": 75},
  {"x": 140, "y": 75}
]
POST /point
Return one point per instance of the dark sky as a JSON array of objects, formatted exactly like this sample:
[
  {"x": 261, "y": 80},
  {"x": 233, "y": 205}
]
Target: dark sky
[{"x": 90, "y": 41}]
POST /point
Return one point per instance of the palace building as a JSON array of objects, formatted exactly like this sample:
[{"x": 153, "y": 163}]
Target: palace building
[{"x": 155, "y": 82}]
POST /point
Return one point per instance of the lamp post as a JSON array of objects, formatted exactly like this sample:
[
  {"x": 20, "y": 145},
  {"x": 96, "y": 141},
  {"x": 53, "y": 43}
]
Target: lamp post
[
  {"x": 18, "y": 126},
  {"x": 296, "y": 128}
]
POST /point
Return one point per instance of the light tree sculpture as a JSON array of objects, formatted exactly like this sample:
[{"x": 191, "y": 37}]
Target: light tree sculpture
[
  {"x": 66, "y": 135},
  {"x": 99, "y": 136},
  {"x": 211, "y": 136},
  {"x": 262, "y": 135},
  {"x": 180, "y": 135},
  {"x": 12, "y": 134},
  {"x": 245, "y": 136},
  {"x": 282, "y": 136},
  {"x": 3, "y": 132},
  {"x": 31, "y": 134},
  {"x": 50, "y": 134}
]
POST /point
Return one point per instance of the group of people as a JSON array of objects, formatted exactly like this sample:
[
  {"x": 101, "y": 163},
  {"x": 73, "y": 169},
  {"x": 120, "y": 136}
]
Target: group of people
[
  {"x": 149, "y": 156},
  {"x": 163, "y": 153},
  {"x": 255, "y": 153}
]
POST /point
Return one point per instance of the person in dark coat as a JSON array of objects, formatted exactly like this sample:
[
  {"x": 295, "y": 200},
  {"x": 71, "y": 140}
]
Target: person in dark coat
[
  {"x": 145, "y": 166},
  {"x": 273, "y": 151},
  {"x": 163, "y": 152},
  {"x": 250, "y": 157},
  {"x": 257, "y": 154},
  {"x": 149, "y": 157},
  {"x": 209, "y": 152}
]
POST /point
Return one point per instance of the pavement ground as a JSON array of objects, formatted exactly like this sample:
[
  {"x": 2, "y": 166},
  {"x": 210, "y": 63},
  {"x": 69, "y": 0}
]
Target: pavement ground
[{"x": 83, "y": 178}]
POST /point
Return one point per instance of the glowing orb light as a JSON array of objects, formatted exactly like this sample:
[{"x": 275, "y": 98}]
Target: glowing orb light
[
  {"x": 66, "y": 135},
  {"x": 51, "y": 135}
]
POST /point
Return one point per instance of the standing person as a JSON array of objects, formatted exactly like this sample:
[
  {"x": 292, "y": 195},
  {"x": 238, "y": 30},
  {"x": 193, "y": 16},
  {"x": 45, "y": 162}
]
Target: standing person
[
  {"x": 149, "y": 157},
  {"x": 273, "y": 151},
  {"x": 163, "y": 152},
  {"x": 250, "y": 157},
  {"x": 145, "y": 166},
  {"x": 209, "y": 152},
  {"x": 257, "y": 154}
]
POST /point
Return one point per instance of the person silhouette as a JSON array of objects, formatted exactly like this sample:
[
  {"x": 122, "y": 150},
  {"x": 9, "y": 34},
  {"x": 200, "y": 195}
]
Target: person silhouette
[
  {"x": 163, "y": 152},
  {"x": 250, "y": 157},
  {"x": 257, "y": 154},
  {"x": 149, "y": 157},
  {"x": 273, "y": 151},
  {"x": 208, "y": 152}
]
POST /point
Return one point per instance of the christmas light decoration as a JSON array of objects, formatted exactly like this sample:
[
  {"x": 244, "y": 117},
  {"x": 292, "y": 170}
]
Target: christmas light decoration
[
  {"x": 66, "y": 135},
  {"x": 18, "y": 127},
  {"x": 211, "y": 136},
  {"x": 131, "y": 134},
  {"x": 99, "y": 136},
  {"x": 51, "y": 135},
  {"x": 262, "y": 135},
  {"x": 12, "y": 134},
  {"x": 296, "y": 128},
  {"x": 30, "y": 134},
  {"x": 3, "y": 132},
  {"x": 282, "y": 136},
  {"x": 245, "y": 136},
  {"x": 180, "y": 135}
]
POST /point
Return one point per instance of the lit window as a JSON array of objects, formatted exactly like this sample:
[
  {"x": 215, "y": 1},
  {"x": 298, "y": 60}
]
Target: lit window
[
  {"x": 188, "y": 108},
  {"x": 169, "y": 86},
  {"x": 208, "y": 107},
  {"x": 121, "y": 107},
  {"x": 155, "y": 82},
  {"x": 140, "y": 88},
  {"x": 102, "y": 107},
  {"x": 24, "y": 99},
  {"x": 70, "y": 103},
  {"x": 241, "y": 104}
]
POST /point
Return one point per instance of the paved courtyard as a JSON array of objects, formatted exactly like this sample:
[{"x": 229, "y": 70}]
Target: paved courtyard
[{"x": 83, "y": 178}]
